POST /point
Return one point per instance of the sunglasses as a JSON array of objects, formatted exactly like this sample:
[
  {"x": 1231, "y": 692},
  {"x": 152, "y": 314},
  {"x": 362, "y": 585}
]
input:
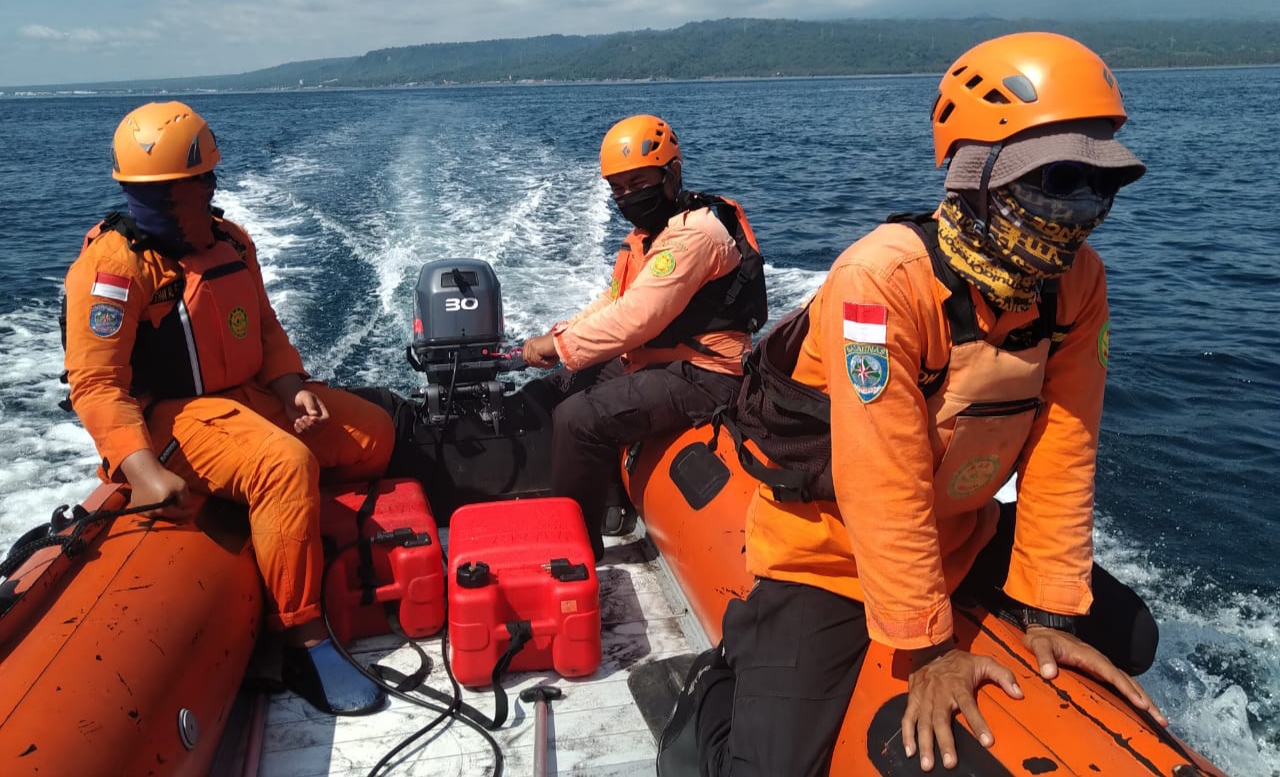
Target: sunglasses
[{"x": 1060, "y": 179}]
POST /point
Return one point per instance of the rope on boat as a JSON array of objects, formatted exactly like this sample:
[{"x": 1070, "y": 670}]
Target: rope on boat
[{"x": 54, "y": 533}]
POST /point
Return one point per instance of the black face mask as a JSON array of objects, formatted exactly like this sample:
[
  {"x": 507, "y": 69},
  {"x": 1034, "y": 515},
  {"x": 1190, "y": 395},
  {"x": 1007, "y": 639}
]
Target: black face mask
[
  {"x": 174, "y": 214},
  {"x": 647, "y": 208}
]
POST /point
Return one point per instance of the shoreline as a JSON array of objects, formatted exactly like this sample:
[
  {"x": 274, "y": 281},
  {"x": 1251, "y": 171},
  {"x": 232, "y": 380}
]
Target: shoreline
[{"x": 36, "y": 93}]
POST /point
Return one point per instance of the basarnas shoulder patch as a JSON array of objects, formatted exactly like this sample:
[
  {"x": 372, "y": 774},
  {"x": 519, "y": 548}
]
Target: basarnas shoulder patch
[
  {"x": 868, "y": 367},
  {"x": 663, "y": 264},
  {"x": 105, "y": 319}
]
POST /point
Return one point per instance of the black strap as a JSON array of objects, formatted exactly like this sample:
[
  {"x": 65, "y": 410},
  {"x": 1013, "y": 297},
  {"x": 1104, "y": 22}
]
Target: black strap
[
  {"x": 521, "y": 632},
  {"x": 787, "y": 485},
  {"x": 1049, "y": 315},
  {"x": 736, "y": 301},
  {"x": 961, "y": 316},
  {"x": 406, "y": 682},
  {"x": 728, "y": 216},
  {"x": 365, "y": 572}
]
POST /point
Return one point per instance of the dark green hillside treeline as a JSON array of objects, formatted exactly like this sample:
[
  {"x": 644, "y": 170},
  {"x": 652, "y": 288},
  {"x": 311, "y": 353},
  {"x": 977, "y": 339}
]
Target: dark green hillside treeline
[{"x": 730, "y": 48}]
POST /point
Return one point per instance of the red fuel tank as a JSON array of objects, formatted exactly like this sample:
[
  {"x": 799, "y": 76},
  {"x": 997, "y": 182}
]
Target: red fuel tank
[
  {"x": 398, "y": 561},
  {"x": 523, "y": 564}
]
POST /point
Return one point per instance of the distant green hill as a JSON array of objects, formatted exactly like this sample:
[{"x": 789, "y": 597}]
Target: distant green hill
[{"x": 729, "y": 48}]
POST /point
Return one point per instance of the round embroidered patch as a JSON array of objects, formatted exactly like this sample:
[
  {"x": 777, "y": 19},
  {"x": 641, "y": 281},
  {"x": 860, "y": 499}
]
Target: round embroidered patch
[
  {"x": 1104, "y": 345},
  {"x": 974, "y": 475},
  {"x": 239, "y": 322},
  {"x": 663, "y": 264},
  {"x": 868, "y": 367},
  {"x": 105, "y": 319}
]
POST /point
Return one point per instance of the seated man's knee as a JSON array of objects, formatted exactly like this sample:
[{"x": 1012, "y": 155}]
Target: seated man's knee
[
  {"x": 574, "y": 417},
  {"x": 380, "y": 430},
  {"x": 285, "y": 457},
  {"x": 1144, "y": 639}
]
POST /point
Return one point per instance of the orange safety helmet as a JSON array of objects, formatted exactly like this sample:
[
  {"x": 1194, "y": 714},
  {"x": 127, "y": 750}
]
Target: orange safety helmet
[
  {"x": 635, "y": 142},
  {"x": 1012, "y": 83},
  {"x": 162, "y": 142}
]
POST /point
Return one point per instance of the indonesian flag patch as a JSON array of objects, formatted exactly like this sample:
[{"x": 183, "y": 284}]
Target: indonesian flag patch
[
  {"x": 111, "y": 286},
  {"x": 865, "y": 323}
]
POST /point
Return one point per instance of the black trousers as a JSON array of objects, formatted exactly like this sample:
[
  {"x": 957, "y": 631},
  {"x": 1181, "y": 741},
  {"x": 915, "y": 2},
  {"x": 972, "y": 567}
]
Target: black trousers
[
  {"x": 795, "y": 652},
  {"x": 600, "y": 410}
]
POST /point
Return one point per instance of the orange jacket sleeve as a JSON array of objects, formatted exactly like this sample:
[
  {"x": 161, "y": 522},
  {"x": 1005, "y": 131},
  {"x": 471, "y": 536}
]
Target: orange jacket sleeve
[
  {"x": 882, "y": 462},
  {"x": 1053, "y": 544},
  {"x": 101, "y": 329},
  {"x": 690, "y": 254},
  {"x": 279, "y": 357}
]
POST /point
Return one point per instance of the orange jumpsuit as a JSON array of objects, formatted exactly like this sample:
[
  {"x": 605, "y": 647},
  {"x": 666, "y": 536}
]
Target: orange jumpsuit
[
  {"x": 233, "y": 441},
  {"x": 648, "y": 290},
  {"x": 900, "y": 538}
]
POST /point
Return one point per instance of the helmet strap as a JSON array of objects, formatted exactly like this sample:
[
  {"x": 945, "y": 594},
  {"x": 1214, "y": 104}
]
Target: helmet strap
[{"x": 984, "y": 201}]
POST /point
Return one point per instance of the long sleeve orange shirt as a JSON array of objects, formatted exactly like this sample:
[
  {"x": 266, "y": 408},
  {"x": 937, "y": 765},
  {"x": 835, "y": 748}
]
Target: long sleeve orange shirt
[
  {"x": 98, "y": 368},
  {"x": 649, "y": 291},
  {"x": 886, "y": 541}
]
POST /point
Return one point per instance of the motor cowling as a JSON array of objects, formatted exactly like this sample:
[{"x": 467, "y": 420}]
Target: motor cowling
[{"x": 457, "y": 322}]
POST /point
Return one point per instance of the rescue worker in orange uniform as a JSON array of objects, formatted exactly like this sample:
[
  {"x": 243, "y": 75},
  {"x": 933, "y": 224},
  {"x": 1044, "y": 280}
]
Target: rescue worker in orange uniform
[
  {"x": 183, "y": 376},
  {"x": 947, "y": 352},
  {"x": 662, "y": 347}
]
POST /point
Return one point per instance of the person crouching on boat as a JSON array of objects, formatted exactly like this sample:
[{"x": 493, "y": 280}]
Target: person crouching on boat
[
  {"x": 662, "y": 347},
  {"x": 948, "y": 349},
  {"x": 173, "y": 351}
]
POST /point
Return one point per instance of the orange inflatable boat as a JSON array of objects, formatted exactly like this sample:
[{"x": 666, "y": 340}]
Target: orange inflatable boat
[
  {"x": 123, "y": 655},
  {"x": 1067, "y": 726}
]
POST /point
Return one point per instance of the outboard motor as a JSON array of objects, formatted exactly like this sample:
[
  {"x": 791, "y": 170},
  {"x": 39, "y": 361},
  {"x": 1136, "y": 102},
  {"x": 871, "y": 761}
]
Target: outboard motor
[
  {"x": 458, "y": 340},
  {"x": 467, "y": 435}
]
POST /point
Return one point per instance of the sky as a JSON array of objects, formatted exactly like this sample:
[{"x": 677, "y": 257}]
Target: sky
[{"x": 69, "y": 41}]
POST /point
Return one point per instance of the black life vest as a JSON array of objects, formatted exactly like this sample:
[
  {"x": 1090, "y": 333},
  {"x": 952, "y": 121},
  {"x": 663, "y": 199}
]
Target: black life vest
[
  {"x": 790, "y": 422},
  {"x": 734, "y": 302}
]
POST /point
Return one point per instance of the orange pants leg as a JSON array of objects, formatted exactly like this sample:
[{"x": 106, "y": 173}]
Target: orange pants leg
[
  {"x": 235, "y": 446},
  {"x": 354, "y": 444}
]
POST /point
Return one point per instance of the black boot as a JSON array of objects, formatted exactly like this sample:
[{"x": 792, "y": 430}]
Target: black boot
[
  {"x": 619, "y": 515},
  {"x": 678, "y": 745},
  {"x": 618, "y": 521}
]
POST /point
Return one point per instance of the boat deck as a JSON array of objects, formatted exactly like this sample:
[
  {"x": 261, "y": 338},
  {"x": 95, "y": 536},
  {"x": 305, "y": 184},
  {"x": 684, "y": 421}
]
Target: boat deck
[{"x": 596, "y": 730}]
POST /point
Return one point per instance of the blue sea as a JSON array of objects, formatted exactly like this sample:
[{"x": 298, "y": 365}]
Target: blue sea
[{"x": 347, "y": 193}]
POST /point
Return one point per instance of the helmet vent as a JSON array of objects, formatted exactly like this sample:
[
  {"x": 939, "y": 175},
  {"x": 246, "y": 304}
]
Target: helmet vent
[
  {"x": 193, "y": 153},
  {"x": 973, "y": 82},
  {"x": 959, "y": 70},
  {"x": 996, "y": 97},
  {"x": 946, "y": 112},
  {"x": 1022, "y": 88},
  {"x": 649, "y": 145}
]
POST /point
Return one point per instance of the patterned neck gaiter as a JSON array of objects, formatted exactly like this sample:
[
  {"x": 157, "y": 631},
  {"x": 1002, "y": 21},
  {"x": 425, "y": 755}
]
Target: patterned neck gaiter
[{"x": 1020, "y": 249}]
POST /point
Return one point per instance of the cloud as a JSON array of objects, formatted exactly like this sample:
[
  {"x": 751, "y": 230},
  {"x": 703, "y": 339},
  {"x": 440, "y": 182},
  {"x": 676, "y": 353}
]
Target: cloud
[
  {"x": 88, "y": 36},
  {"x": 41, "y": 32}
]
